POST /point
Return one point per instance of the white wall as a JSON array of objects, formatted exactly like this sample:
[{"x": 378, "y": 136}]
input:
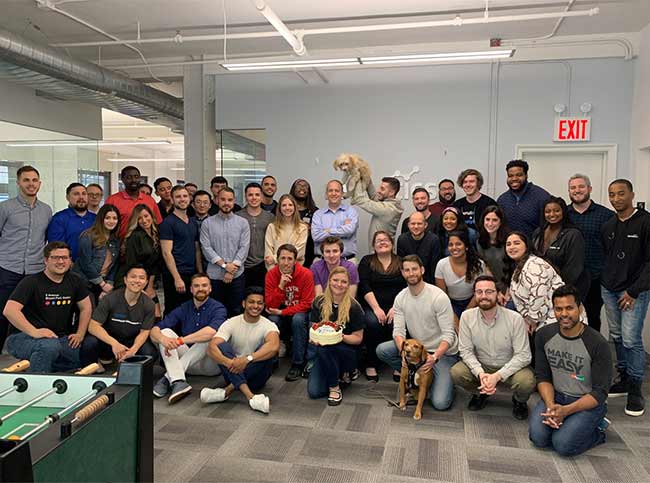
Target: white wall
[{"x": 437, "y": 118}]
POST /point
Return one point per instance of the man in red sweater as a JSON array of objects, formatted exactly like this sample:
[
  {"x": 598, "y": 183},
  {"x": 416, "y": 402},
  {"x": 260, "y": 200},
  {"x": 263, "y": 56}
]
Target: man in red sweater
[{"x": 289, "y": 292}]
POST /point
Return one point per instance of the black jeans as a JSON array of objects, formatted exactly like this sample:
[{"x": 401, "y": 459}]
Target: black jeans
[
  {"x": 172, "y": 298},
  {"x": 593, "y": 304},
  {"x": 92, "y": 349},
  {"x": 8, "y": 282}
]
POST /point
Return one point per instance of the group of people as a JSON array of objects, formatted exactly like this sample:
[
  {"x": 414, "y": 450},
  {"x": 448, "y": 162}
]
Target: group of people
[{"x": 498, "y": 291}]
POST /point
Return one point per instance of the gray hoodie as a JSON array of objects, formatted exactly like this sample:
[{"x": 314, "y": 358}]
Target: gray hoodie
[{"x": 385, "y": 214}]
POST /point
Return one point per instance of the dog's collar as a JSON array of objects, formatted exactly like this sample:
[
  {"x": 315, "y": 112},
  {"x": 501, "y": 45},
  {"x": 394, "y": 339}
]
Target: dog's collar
[{"x": 413, "y": 369}]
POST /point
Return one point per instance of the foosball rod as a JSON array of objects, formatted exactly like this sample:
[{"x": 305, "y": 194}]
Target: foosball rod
[
  {"x": 59, "y": 386},
  {"x": 53, "y": 418},
  {"x": 20, "y": 385}
]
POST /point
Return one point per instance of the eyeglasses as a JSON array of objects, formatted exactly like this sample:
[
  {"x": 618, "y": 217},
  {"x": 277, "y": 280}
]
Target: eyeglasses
[
  {"x": 59, "y": 258},
  {"x": 485, "y": 292},
  {"x": 95, "y": 195}
]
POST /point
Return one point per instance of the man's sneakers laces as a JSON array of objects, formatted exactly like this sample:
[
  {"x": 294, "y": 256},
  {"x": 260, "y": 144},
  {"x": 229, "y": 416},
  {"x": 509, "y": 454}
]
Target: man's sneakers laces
[{"x": 259, "y": 402}]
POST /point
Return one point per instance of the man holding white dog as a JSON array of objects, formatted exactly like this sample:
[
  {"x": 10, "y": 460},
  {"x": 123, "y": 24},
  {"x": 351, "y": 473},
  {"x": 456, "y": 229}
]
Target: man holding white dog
[
  {"x": 425, "y": 311},
  {"x": 382, "y": 204},
  {"x": 493, "y": 345}
]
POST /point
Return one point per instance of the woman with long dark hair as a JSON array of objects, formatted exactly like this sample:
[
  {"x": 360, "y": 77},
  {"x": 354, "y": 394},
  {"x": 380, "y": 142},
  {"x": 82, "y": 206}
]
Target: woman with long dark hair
[
  {"x": 334, "y": 363},
  {"x": 380, "y": 280},
  {"x": 492, "y": 233},
  {"x": 456, "y": 273},
  {"x": 98, "y": 255},
  {"x": 452, "y": 220},
  {"x": 559, "y": 242},
  {"x": 301, "y": 191}
]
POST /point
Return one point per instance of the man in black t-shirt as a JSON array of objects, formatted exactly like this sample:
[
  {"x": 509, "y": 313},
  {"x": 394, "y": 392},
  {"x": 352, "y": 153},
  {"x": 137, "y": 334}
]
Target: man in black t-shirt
[
  {"x": 40, "y": 310},
  {"x": 121, "y": 322},
  {"x": 474, "y": 202}
]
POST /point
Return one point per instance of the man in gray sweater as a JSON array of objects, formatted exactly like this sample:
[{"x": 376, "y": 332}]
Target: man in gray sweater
[
  {"x": 425, "y": 311},
  {"x": 493, "y": 345},
  {"x": 382, "y": 204}
]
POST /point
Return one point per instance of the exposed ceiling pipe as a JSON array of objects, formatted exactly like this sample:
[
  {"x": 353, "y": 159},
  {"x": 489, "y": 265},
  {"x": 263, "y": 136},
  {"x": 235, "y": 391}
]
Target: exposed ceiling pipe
[
  {"x": 457, "y": 22},
  {"x": 555, "y": 28},
  {"x": 294, "y": 41}
]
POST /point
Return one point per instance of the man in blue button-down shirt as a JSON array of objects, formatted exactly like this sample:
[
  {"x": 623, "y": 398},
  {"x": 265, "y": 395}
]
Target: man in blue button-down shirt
[
  {"x": 225, "y": 239},
  {"x": 336, "y": 220},
  {"x": 23, "y": 225},
  {"x": 197, "y": 320},
  {"x": 67, "y": 225}
]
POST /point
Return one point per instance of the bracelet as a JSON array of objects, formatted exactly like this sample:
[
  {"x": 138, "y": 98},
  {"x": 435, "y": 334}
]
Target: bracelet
[{"x": 179, "y": 341}]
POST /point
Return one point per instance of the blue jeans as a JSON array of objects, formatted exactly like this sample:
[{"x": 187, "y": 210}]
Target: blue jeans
[
  {"x": 330, "y": 361},
  {"x": 254, "y": 376},
  {"x": 578, "y": 432},
  {"x": 441, "y": 393},
  {"x": 230, "y": 294},
  {"x": 44, "y": 355},
  {"x": 625, "y": 328},
  {"x": 300, "y": 331}
]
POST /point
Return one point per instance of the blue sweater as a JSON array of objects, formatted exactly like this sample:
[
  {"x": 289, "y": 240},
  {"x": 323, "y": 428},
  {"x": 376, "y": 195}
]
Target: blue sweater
[{"x": 523, "y": 209}]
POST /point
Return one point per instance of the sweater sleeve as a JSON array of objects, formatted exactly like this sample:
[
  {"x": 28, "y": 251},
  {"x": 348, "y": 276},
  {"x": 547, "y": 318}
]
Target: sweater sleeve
[
  {"x": 642, "y": 283},
  {"x": 364, "y": 278},
  {"x": 542, "y": 368},
  {"x": 273, "y": 295},
  {"x": 466, "y": 347},
  {"x": 307, "y": 294},
  {"x": 535, "y": 289},
  {"x": 574, "y": 264},
  {"x": 520, "y": 347},
  {"x": 601, "y": 365},
  {"x": 399, "y": 324}
]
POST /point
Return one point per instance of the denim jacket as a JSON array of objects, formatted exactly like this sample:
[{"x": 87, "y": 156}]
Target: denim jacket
[{"x": 90, "y": 260}]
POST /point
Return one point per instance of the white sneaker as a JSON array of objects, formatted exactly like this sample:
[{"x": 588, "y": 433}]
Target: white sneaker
[
  {"x": 282, "y": 352},
  {"x": 260, "y": 402},
  {"x": 216, "y": 395}
]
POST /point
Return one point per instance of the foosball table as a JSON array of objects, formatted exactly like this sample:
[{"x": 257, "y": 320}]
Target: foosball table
[{"x": 77, "y": 427}]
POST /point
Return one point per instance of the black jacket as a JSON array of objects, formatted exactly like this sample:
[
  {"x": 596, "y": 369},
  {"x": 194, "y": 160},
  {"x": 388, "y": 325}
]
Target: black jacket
[
  {"x": 567, "y": 254},
  {"x": 627, "y": 254},
  {"x": 427, "y": 248}
]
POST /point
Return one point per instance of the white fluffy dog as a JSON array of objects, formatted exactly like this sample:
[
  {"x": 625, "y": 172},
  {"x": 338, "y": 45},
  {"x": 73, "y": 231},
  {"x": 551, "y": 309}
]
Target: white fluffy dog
[{"x": 355, "y": 170}]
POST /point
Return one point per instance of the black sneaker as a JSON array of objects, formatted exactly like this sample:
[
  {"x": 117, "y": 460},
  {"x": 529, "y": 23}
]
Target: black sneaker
[
  {"x": 635, "y": 403},
  {"x": 294, "y": 373},
  {"x": 478, "y": 402},
  {"x": 307, "y": 369},
  {"x": 620, "y": 387},
  {"x": 519, "y": 409}
]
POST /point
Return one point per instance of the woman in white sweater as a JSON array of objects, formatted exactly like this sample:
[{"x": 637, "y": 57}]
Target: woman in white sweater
[{"x": 287, "y": 228}]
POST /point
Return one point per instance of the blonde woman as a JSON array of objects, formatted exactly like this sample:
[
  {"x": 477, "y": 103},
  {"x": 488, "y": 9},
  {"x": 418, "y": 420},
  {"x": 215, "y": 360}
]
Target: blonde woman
[
  {"x": 333, "y": 362},
  {"x": 287, "y": 228}
]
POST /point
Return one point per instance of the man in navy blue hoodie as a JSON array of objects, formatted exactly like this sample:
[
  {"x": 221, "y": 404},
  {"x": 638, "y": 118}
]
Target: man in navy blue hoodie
[
  {"x": 524, "y": 201},
  {"x": 626, "y": 290}
]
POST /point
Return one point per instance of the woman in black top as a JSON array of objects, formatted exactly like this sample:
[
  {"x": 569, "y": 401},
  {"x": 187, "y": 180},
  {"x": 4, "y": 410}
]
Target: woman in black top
[
  {"x": 452, "y": 220},
  {"x": 492, "y": 233},
  {"x": 337, "y": 361},
  {"x": 559, "y": 242},
  {"x": 380, "y": 280},
  {"x": 301, "y": 191},
  {"x": 141, "y": 246}
]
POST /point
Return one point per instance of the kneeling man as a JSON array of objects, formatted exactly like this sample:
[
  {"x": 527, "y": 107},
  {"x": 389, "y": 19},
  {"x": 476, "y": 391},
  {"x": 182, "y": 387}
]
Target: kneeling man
[
  {"x": 493, "y": 346},
  {"x": 573, "y": 366},
  {"x": 197, "y": 320},
  {"x": 244, "y": 348}
]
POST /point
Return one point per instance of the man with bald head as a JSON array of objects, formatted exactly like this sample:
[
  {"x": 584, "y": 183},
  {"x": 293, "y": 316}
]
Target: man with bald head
[{"x": 418, "y": 240}]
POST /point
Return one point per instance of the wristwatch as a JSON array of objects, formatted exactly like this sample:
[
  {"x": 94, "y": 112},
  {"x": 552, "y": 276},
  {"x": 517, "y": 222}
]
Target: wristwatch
[
  {"x": 249, "y": 357},
  {"x": 223, "y": 265}
]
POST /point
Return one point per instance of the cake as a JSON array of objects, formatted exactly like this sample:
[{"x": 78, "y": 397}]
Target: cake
[{"x": 325, "y": 333}]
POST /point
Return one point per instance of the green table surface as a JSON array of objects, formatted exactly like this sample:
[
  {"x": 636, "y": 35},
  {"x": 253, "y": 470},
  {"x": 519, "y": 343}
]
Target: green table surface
[{"x": 24, "y": 421}]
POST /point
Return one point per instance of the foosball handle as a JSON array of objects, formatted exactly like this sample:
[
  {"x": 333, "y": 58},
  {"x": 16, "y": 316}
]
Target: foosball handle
[
  {"x": 88, "y": 370},
  {"x": 17, "y": 367}
]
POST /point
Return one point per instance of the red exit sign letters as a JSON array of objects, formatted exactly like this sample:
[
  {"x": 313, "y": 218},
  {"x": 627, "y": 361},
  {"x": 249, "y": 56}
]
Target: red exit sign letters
[{"x": 572, "y": 129}]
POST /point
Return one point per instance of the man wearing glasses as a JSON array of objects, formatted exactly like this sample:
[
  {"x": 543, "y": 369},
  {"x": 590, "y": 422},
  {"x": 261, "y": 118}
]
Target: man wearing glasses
[
  {"x": 40, "y": 311},
  {"x": 493, "y": 346}
]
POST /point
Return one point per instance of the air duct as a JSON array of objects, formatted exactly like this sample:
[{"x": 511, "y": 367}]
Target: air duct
[{"x": 47, "y": 70}]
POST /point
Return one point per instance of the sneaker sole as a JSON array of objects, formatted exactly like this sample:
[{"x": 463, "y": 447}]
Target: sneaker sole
[
  {"x": 614, "y": 395},
  {"x": 629, "y": 412},
  {"x": 159, "y": 395},
  {"x": 179, "y": 395}
]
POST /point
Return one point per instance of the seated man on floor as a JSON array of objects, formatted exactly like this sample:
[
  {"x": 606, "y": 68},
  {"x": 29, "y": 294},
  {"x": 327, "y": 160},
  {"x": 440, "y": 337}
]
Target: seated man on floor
[
  {"x": 332, "y": 250},
  {"x": 40, "y": 311},
  {"x": 573, "y": 366},
  {"x": 197, "y": 321},
  {"x": 244, "y": 348},
  {"x": 493, "y": 346},
  {"x": 121, "y": 322},
  {"x": 289, "y": 294}
]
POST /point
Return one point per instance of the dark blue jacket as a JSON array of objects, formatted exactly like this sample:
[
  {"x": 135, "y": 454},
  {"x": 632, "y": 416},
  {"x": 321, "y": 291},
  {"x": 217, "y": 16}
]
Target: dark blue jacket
[
  {"x": 67, "y": 225},
  {"x": 91, "y": 259},
  {"x": 524, "y": 209}
]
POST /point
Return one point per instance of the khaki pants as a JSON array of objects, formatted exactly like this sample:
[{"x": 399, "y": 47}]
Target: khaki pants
[{"x": 522, "y": 382}]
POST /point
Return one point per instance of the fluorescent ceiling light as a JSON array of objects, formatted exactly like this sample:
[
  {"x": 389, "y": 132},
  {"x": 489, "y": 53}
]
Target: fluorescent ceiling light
[
  {"x": 440, "y": 57},
  {"x": 86, "y": 143},
  {"x": 291, "y": 64},
  {"x": 147, "y": 160}
]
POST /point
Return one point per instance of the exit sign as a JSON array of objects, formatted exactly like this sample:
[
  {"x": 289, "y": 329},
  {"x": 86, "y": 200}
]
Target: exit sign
[{"x": 572, "y": 129}]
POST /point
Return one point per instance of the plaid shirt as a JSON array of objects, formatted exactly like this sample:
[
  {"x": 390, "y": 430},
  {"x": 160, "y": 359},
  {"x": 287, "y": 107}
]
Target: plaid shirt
[{"x": 590, "y": 223}]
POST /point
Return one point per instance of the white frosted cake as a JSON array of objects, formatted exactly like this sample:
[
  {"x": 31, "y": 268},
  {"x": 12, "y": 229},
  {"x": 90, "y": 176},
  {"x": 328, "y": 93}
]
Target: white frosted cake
[{"x": 325, "y": 333}]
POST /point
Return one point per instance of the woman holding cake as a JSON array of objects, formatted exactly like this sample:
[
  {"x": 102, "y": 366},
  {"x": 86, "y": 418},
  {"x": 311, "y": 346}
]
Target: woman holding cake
[{"x": 336, "y": 333}]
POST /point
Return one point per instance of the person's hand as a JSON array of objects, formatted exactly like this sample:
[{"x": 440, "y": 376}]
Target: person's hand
[
  {"x": 284, "y": 280},
  {"x": 503, "y": 298},
  {"x": 269, "y": 260},
  {"x": 231, "y": 268},
  {"x": 489, "y": 383},
  {"x": 428, "y": 365},
  {"x": 119, "y": 350},
  {"x": 180, "y": 285},
  {"x": 390, "y": 316},
  {"x": 238, "y": 365},
  {"x": 554, "y": 415},
  {"x": 169, "y": 343},
  {"x": 228, "y": 277},
  {"x": 274, "y": 311},
  {"x": 44, "y": 334},
  {"x": 381, "y": 316},
  {"x": 626, "y": 302},
  {"x": 347, "y": 221},
  {"x": 74, "y": 340},
  {"x": 126, "y": 354}
]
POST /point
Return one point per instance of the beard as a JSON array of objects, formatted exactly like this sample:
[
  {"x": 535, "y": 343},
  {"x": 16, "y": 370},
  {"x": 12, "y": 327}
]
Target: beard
[{"x": 201, "y": 296}]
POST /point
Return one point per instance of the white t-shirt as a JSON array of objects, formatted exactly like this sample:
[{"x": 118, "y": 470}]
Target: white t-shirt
[
  {"x": 457, "y": 287},
  {"x": 245, "y": 337}
]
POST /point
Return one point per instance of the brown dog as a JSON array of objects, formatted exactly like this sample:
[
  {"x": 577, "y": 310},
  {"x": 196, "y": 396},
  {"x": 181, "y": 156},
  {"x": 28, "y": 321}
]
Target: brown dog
[{"x": 412, "y": 378}]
